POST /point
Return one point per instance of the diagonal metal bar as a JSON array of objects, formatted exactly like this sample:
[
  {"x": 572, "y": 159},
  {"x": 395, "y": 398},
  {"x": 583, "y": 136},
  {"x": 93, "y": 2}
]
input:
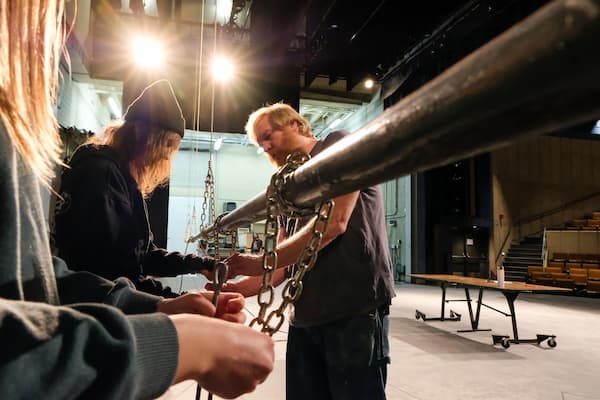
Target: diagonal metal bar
[{"x": 541, "y": 75}]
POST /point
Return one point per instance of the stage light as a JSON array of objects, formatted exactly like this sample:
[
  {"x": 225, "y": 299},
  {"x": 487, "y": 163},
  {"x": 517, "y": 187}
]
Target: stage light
[
  {"x": 147, "y": 53},
  {"x": 222, "y": 69},
  {"x": 596, "y": 128},
  {"x": 224, "y": 11},
  {"x": 335, "y": 123}
]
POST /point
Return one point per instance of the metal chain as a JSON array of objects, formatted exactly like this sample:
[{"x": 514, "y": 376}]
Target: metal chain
[
  {"x": 215, "y": 238},
  {"x": 209, "y": 203},
  {"x": 266, "y": 293},
  {"x": 276, "y": 205},
  {"x": 208, "y": 183},
  {"x": 234, "y": 238},
  {"x": 211, "y": 191}
]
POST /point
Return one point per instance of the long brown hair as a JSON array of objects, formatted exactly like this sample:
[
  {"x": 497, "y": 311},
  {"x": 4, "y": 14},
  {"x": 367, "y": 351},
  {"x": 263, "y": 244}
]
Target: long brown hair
[
  {"x": 31, "y": 35},
  {"x": 140, "y": 146}
]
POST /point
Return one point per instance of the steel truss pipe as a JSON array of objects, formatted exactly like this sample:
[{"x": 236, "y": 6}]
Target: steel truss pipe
[{"x": 541, "y": 75}]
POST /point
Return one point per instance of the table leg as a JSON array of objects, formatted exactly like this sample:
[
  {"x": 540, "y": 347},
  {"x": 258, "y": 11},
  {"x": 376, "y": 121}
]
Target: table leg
[
  {"x": 474, "y": 318},
  {"x": 511, "y": 296},
  {"x": 453, "y": 316}
]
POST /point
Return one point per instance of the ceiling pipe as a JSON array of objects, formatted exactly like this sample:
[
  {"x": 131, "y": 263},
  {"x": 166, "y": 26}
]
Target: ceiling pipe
[{"x": 537, "y": 77}]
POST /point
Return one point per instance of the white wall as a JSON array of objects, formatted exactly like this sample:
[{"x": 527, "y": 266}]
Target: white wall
[
  {"x": 240, "y": 173},
  {"x": 80, "y": 106}
]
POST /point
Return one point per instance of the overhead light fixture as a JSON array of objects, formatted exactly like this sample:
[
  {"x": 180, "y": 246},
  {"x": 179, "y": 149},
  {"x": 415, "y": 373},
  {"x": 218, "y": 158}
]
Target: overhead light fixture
[
  {"x": 224, "y": 11},
  {"x": 218, "y": 144},
  {"x": 114, "y": 108},
  {"x": 596, "y": 128},
  {"x": 222, "y": 69},
  {"x": 335, "y": 123},
  {"x": 369, "y": 83},
  {"x": 147, "y": 52}
]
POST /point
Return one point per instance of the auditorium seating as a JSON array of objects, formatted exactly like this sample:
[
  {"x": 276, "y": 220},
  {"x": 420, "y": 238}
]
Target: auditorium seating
[
  {"x": 579, "y": 271},
  {"x": 576, "y": 271}
]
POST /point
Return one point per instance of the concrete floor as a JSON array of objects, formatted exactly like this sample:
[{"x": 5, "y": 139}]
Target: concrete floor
[{"x": 430, "y": 360}]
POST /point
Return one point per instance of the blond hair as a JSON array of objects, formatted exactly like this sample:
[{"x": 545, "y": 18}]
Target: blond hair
[
  {"x": 142, "y": 153},
  {"x": 279, "y": 115},
  {"x": 32, "y": 37}
]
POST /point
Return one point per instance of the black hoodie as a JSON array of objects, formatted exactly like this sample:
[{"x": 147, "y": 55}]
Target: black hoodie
[{"x": 102, "y": 226}]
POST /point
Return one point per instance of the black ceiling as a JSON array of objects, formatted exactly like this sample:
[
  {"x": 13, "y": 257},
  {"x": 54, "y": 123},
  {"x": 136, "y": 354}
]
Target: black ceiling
[
  {"x": 402, "y": 44},
  {"x": 352, "y": 42}
]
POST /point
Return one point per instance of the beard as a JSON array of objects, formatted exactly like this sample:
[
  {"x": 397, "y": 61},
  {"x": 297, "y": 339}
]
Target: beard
[
  {"x": 277, "y": 159},
  {"x": 278, "y": 156}
]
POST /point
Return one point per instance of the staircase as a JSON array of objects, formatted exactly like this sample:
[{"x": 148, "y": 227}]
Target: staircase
[{"x": 521, "y": 255}]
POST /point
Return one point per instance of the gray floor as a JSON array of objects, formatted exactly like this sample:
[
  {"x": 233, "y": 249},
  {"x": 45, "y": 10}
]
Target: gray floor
[{"x": 430, "y": 360}]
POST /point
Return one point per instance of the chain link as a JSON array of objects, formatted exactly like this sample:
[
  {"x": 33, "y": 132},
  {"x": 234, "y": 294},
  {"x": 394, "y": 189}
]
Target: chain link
[
  {"x": 234, "y": 238},
  {"x": 277, "y": 205},
  {"x": 269, "y": 261},
  {"x": 208, "y": 184}
]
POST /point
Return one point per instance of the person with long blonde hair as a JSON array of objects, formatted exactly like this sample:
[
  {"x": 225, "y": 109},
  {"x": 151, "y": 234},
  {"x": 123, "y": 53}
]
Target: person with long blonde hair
[
  {"x": 101, "y": 224},
  {"x": 70, "y": 335}
]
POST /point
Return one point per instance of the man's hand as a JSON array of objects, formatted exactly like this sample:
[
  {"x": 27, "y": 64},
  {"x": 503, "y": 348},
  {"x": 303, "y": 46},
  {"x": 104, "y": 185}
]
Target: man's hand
[
  {"x": 231, "y": 305},
  {"x": 245, "y": 264},
  {"x": 247, "y": 286}
]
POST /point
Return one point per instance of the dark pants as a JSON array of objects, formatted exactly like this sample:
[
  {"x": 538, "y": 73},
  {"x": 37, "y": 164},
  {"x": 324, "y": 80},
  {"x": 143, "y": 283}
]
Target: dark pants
[{"x": 345, "y": 359}]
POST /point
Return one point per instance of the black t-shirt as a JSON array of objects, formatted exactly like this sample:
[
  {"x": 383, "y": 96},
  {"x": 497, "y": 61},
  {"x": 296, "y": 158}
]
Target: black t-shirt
[{"x": 353, "y": 274}]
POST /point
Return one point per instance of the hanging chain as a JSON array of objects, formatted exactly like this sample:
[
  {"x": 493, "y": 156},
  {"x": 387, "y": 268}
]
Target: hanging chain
[
  {"x": 269, "y": 262},
  {"x": 209, "y": 191},
  {"x": 277, "y": 205}
]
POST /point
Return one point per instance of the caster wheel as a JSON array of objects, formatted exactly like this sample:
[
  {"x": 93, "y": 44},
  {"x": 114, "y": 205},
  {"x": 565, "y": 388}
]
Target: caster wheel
[
  {"x": 551, "y": 342},
  {"x": 505, "y": 343},
  {"x": 417, "y": 315}
]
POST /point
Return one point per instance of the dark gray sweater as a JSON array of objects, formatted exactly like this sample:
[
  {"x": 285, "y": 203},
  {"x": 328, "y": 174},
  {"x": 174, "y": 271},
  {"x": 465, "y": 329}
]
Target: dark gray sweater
[{"x": 64, "y": 334}]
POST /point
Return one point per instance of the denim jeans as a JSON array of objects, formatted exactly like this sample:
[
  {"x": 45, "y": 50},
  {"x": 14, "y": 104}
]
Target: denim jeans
[{"x": 342, "y": 360}]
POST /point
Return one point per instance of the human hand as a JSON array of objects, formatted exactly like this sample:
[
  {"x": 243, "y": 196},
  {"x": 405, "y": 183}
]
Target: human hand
[
  {"x": 230, "y": 305},
  {"x": 245, "y": 264},
  {"x": 226, "y": 359},
  {"x": 247, "y": 286}
]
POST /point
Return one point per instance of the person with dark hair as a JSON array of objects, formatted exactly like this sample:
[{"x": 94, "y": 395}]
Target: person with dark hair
[
  {"x": 257, "y": 244},
  {"x": 72, "y": 335},
  {"x": 202, "y": 247},
  {"x": 101, "y": 221},
  {"x": 338, "y": 336}
]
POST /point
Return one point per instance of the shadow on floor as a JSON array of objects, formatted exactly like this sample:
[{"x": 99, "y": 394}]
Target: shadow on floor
[{"x": 441, "y": 343}]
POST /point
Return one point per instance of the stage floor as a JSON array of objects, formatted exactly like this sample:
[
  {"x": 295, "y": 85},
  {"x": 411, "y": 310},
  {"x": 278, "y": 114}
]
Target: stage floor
[{"x": 431, "y": 361}]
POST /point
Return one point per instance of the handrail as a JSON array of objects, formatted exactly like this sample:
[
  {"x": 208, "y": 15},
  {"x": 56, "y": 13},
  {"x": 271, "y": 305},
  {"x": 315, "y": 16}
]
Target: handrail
[
  {"x": 500, "y": 252},
  {"x": 537, "y": 77},
  {"x": 562, "y": 207},
  {"x": 544, "y": 250}
]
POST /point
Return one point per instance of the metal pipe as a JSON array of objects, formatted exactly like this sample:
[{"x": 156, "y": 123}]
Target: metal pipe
[{"x": 539, "y": 76}]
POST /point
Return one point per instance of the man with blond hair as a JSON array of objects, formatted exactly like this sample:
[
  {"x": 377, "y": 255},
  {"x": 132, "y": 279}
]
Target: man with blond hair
[{"x": 337, "y": 340}]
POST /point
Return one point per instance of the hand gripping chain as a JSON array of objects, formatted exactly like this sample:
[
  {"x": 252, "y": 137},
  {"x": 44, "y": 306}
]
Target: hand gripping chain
[{"x": 277, "y": 205}]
